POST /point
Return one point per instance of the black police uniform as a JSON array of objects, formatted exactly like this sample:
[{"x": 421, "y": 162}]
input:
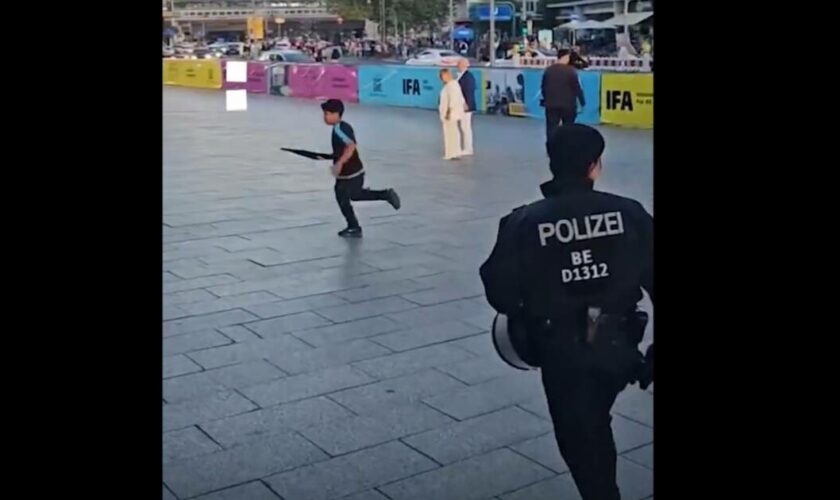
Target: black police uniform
[{"x": 554, "y": 262}]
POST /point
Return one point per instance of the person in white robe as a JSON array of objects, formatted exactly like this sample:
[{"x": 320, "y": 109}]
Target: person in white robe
[{"x": 452, "y": 109}]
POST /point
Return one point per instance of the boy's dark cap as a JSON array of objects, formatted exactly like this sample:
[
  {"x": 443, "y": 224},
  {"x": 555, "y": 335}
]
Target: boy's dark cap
[
  {"x": 333, "y": 106},
  {"x": 572, "y": 149}
]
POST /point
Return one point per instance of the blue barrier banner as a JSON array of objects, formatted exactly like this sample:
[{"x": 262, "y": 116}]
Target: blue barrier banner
[
  {"x": 400, "y": 86},
  {"x": 503, "y": 92},
  {"x": 590, "y": 82}
]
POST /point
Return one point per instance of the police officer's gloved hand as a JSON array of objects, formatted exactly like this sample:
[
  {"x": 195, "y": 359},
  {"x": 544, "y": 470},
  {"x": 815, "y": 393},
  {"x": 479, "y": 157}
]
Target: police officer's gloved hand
[{"x": 646, "y": 372}]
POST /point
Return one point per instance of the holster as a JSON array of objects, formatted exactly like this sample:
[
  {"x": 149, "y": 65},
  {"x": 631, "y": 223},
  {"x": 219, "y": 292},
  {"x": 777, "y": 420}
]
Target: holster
[{"x": 613, "y": 343}]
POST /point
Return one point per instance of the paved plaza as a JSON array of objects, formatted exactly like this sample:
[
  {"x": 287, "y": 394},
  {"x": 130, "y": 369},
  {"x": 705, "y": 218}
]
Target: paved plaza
[{"x": 301, "y": 366}]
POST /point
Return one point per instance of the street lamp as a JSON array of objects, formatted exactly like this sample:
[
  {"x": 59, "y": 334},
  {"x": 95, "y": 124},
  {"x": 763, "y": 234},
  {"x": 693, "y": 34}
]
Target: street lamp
[
  {"x": 451, "y": 25},
  {"x": 492, "y": 32}
]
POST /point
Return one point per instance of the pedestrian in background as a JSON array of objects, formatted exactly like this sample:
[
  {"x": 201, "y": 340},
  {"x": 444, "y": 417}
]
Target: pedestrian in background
[
  {"x": 466, "y": 81},
  {"x": 452, "y": 109},
  {"x": 561, "y": 92}
]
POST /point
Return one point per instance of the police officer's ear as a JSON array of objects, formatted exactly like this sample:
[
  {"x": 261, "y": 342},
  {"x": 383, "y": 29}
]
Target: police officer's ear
[{"x": 595, "y": 169}]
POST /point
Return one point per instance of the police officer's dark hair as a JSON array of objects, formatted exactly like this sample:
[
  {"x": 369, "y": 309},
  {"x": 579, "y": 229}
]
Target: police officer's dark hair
[{"x": 572, "y": 149}]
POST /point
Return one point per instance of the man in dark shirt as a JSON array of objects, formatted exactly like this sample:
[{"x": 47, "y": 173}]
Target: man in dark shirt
[
  {"x": 348, "y": 170},
  {"x": 560, "y": 91},
  {"x": 467, "y": 82}
]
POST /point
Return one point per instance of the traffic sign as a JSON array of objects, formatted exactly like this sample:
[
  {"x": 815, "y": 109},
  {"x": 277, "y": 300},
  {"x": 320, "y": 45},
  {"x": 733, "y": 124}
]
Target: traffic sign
[{"x": 504, "y": 12}]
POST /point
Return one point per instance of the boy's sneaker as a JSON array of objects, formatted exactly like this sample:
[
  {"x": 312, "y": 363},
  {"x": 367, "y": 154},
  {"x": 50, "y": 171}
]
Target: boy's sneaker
[
  {"x": 394, "y": 199},
  {"x": 351, "y": 232}
]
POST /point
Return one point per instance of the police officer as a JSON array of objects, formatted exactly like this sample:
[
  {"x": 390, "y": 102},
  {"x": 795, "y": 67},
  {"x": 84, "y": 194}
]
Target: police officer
[{"x": 571, "y": 267}]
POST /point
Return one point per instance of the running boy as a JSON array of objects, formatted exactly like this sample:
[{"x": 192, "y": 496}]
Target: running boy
[{"x": 349, "y": 171}]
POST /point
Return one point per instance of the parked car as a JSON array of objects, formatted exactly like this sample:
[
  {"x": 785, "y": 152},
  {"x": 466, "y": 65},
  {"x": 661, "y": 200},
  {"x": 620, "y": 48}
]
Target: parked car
[
  {"x": 228, "y": 48},
  {"x": 435, "y": 57},
  {"x": 332, "y": 53},
  {"x": 292, "y": 56}
]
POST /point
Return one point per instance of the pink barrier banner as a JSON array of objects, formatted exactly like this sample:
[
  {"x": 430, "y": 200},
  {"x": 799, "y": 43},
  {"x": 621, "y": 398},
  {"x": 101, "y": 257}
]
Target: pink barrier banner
[
  {"x": 257, "y": 79},
  {"x": 324, "y": 81}
]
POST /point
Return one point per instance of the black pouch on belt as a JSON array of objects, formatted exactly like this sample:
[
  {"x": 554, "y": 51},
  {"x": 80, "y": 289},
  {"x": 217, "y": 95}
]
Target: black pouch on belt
[{"x": 613, "y": 344}]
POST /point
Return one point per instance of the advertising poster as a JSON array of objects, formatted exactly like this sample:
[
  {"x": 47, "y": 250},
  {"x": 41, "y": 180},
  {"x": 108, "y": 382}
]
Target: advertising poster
[
  {"x": 503, "y": 92},
  {"x": 399, "y": 86},
  {"x": 278, "y": 79},
  {"x": 324, "y": 81},
  {"x": 257, "y": 78},
  {"x": 205, "y": 74},
  {"x": 627, "y": 99}
]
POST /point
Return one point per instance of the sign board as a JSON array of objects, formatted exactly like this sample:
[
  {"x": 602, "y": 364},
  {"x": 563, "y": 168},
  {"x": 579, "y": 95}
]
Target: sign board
[
  {"x": 504, "y": 12},
  {"x": 256, "y": 27},
  {"x": 546, "y": 37},
  {"x": 627, "y": 99}
]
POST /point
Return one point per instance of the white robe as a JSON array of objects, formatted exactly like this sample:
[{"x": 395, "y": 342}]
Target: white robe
[{"x": 451, "y": 100}]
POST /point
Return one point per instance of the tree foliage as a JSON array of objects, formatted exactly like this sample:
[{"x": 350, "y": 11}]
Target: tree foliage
[{"x": 414, "y": 13}]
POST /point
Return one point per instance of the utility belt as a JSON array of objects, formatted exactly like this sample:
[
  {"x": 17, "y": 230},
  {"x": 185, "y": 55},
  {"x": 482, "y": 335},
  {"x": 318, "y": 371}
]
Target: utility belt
[{"x": 606, "y": 342}]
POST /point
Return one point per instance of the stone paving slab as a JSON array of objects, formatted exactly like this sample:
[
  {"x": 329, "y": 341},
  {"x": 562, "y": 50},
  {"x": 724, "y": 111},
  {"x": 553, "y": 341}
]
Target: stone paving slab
[
  {"x": 286, "y": 307},
  {"x": 494, "y": 394},
  {"x": 351, "y": 330},
  {"x": 415, "y": 360},
  {"x": 543, "y": 450},
  {"x": 477, "y": 370},
  {"x": 338, "y": 437},
  {"x": 219, "y": 380},
  {"x": 195, "y": 341},
  {"x": 275, "y": 453},
  {"x": 367, "y": 495},
  {"x": 204, "y": 409},
  {"x": 635, "y": 405},
  {"x": 634, "y": 482},
  {"x": 380, "y": 290},
  {"x": 255, "y": 425},
  {"x": 206, "y": 322},
  {"x": 300, "y": 365},
  {"x": 179, "y": 364},
  {"x": 460, "y": 440},
  {"x": 167, "y": 495},
  {"x": 371, "y": 399},
  {"x": 275, "y": 327},
  {"x": 351, "y": 473},
  {"x": 228, "y": 303},
  {"x": 360, "y": 310},
  {"x": 251, "y": 491},
  {"x": 425, "y": 335},
  {"x": 642, "y": 456},
  {"x": 477, "y": 478},
  {"x": 186, "y": 443},
  {"x": 306, "y": 385},
  {"x": 234, "y": 353},
  {"x": 303, "y": 361},
  {"x": 238, "y": 333}
]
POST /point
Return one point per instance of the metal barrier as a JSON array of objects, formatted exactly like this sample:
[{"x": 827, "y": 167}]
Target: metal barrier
[
  {"x": 533, "y": 62},
  {"x": 633, "y": 64},
  {"x": 617, "y": 64}
]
